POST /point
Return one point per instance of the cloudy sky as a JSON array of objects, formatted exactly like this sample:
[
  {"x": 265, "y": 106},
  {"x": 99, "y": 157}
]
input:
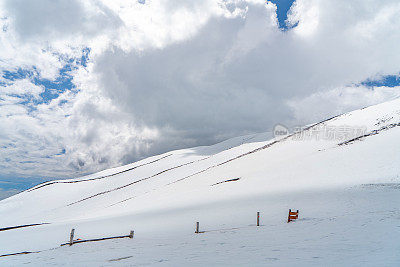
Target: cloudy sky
[{"x": 87, "y": 85}]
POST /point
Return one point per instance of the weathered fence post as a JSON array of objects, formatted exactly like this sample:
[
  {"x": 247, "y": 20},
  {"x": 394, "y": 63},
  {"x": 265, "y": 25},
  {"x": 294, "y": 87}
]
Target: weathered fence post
[
  {"x": 71, "y": 237},
  {"x": 197, "y": 227},
  {"x": 131, "y": 234},
  {"x": 258, "y": 218},
  {"x": 288, "y": 218}
]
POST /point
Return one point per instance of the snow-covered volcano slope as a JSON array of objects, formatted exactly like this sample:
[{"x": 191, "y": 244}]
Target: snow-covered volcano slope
[
  {"x": 315, "y": 157},
  {"x": 360, "y": 147}
]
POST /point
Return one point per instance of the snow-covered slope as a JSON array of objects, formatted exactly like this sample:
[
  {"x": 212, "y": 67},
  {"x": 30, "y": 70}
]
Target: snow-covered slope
[{"x": 360, "y": 147}]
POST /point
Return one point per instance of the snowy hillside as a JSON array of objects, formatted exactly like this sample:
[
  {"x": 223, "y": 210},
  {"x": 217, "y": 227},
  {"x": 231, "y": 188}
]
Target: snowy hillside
[{"x": 325, "y": 170}]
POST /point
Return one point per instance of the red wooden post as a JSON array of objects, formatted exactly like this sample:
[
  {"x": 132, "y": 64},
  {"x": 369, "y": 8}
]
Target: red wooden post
[
  {"x": 258, "y": 218},
  {"x": 293, "y": 215},
  {"x": 288, "y": 219}
]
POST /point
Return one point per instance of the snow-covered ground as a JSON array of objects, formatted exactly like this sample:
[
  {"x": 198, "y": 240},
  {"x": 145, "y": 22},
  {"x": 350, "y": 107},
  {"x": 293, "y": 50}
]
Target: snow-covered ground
[
  {"x": 358, "y": 226},
  {"x": 347, "y": 192}
]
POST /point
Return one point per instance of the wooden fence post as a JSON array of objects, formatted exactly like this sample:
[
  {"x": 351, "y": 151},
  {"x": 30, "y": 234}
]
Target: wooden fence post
[
  {"x": 197, "y": 227},
  {"x": 71, "y": 237},
  {"x": 288, "y": 218},
  {"x": 258, "y": 218},
  {"x": 131, "y": 234}
]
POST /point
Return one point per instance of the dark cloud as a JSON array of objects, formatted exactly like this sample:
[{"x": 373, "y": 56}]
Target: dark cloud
[
  {"x": 193, "y": 87},
  {"x": 235, "y": 76}
]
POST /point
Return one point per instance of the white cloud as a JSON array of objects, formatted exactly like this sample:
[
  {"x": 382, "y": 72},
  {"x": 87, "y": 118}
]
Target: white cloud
[
  {"x": 22, "y": 87},
  {"x": 168, "y": 74},
  {"x": 59, "y": 20},
  {"x": 322, "y": 105}
]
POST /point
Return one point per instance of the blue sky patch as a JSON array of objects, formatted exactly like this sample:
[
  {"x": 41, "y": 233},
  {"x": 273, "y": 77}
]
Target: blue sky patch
[
  {"x": 388, "y": 81},
  {"x": 52, "y": 88},
  {"x": 61, "y": 153},
  {"x": 13, "y": 183},
  {"x": 283, "y": 7}
]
